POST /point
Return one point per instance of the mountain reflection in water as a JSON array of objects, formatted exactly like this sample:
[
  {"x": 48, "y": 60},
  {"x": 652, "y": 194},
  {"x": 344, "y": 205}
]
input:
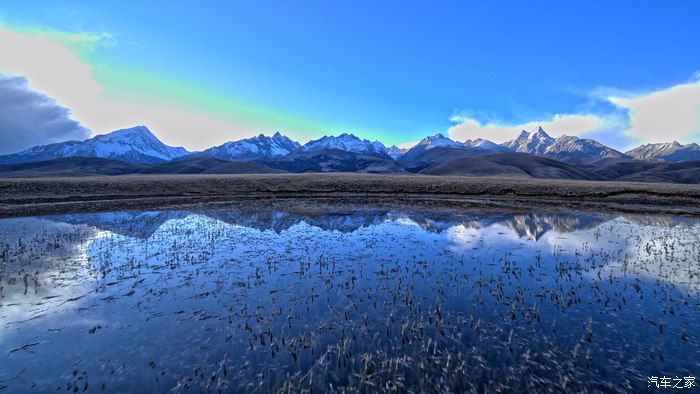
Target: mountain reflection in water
[
  {"x": 238, "y": 300},
  {"x": 531, "y": 225}
]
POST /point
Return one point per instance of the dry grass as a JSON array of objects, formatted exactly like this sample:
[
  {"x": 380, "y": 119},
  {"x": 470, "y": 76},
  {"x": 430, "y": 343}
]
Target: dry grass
[{"x": 55, "y": 195}]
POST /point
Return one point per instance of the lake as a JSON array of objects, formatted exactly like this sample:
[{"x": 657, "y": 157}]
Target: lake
[{"x": 230, "y": 299}]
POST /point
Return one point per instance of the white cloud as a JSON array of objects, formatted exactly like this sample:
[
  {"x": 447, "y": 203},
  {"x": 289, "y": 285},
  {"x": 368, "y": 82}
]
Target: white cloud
[
  {"x": 664, "y": 115},
  {"x": 29, "y": 118},
  {"x": 560, "y": 124},
  {"x": 50, "y": 67},
  {"x": 55, "y": 70},
  {"x": 658, "y": 116}
]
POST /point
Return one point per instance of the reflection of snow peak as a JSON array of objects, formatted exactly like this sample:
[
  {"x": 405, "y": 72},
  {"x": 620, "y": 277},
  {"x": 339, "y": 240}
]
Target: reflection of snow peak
[
  {"x": 462, "y": 235},
  {"x": 180, "y": 290},
  {"x": 93, "y": 242},
  {"x": 532, "y": 226},
  {"x": 544, "y": 229}
]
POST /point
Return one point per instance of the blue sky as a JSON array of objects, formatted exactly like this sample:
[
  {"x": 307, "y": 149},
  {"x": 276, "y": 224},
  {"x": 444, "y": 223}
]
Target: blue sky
[{"x": 394, "y": 71}]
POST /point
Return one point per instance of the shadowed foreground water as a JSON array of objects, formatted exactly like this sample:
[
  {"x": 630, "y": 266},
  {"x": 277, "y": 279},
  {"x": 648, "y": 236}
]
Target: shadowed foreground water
[{"x": 256, "y": 301}]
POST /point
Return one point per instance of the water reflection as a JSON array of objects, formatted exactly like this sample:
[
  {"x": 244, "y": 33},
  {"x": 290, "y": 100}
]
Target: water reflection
[
  {"x": 249, "y": 299},
  {"x": 530, "y": 225}
]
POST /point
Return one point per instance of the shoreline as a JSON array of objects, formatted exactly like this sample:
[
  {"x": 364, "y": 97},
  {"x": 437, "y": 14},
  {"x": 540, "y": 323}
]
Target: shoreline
[{"x": 42, "y": 196}]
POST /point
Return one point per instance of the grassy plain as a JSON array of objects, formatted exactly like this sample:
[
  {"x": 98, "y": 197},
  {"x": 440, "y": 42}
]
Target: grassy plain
[{"x": 85, "y": 194}]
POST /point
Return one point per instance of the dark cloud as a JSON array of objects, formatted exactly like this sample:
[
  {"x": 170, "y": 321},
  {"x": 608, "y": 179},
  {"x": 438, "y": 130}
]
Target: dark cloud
[{"x": 29, "y": 118}]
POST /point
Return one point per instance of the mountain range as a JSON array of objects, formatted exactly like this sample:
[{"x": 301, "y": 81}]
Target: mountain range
[
  {"x": 565, "y": 148},
  {"x": 530, "y": 154},
  {"x": 670, "y": 152},
  {"x": 252, "y": 148},
  {"x": 437, "y": 141},
  {"x": 348, "y": 143}
]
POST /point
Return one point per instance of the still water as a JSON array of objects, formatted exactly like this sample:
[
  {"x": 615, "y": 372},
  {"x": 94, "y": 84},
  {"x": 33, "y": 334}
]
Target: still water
[{"x": 236, "y": 300}]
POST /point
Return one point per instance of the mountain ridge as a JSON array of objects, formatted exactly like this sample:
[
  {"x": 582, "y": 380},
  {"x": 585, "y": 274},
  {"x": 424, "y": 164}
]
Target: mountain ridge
[
  {"x": 132, "y": 145},
  {"x": 671, "y": 152},
  {"x": 348, "y": 143},
  {"x": 139, "y": 145},
  {"x": 259, "y": 147},
  {"x": 565, "y": 148}
]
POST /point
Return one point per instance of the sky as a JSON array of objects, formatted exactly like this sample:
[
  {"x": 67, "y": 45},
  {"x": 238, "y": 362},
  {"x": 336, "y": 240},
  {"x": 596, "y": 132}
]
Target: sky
[{"x": 199, "y": 74}]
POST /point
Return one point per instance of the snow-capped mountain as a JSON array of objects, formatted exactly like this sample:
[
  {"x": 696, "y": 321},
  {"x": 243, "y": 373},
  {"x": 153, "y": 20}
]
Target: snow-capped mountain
[
  {"x": 486, "y": 145},
  {"x": 669, "y": 152},
  {"x": 570, "y": 147},
  {"x": 133, "y": 145},
  {"x": 534, "y": 143},
  {"x": 428, "y": 143},
  {"x": 419, "y": 150},
  {"x": 395, "y": 152},
  {"x": 565, "y": 147},
  {"x": 260, "y": 147},
  {"x": 345, "y": 142},
  {"x": 437, "y": 141}
]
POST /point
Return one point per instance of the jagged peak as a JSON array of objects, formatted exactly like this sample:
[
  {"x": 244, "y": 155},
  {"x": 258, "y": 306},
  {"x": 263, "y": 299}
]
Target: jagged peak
[
  {"x": 539, "y": 132},
  {"x": 344, "y": 135},
  {"x": 666, "y": 151},
  {"x": 255, "y": 146},
  {"x": 261, "y": 136},
  {"x": 435, "y": 137},
  {"x": 347, "y": 135},
  {"x": 345, "y": 141}
]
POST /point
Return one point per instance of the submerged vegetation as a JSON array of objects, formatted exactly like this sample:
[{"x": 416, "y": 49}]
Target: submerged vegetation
[{"x": 228, "y": 300}]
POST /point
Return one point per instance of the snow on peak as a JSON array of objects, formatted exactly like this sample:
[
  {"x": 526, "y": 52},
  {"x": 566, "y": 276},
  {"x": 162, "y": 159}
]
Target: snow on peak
[
  {"x": 666, "y": 151},
  {"x": 131, "y": 132},
  {"x": 534, "y": 143},
  {"x": 431, "y": 142},
  {"x": 135, "y": 145},
  {"x": 346, "y": 142},
  {"x": 564, "y": 147},
  {"x": 259, "y": 147},
  {"x": 484, "y": 144},
  {"x": 572, "y": 146},
  {"x": 438, "y": 141},
  {"x": 540, "y": 133},
  {"x": 395, "y": 152}
]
